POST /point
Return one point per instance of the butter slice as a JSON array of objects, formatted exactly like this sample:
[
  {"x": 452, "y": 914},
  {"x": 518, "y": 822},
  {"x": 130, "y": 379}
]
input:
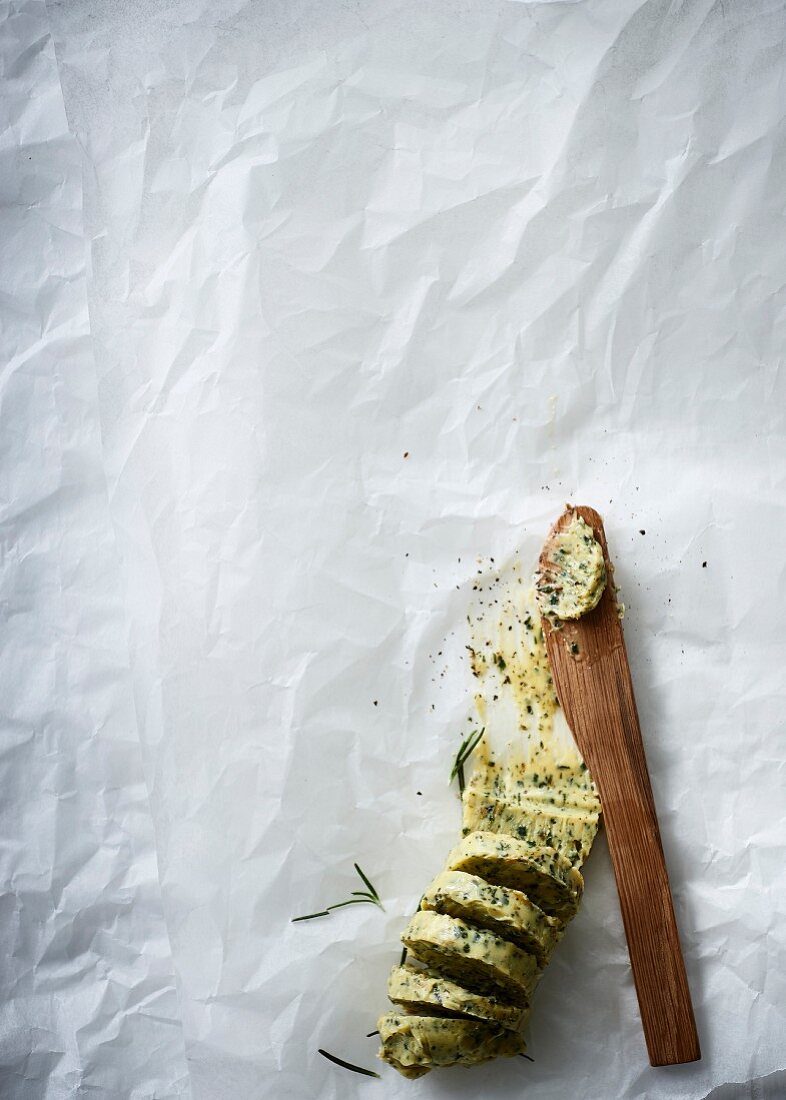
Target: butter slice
[
  {"x": 572, "y": 573},
  {"x": 569, "y": 829},
  {"x": 545, "y": 876},
  {"x": 427, "y": 992},
  {"x": 506, "y": 912},
  {"x": 478, "y": 959},
  {"x": 415, "y": 1044}
]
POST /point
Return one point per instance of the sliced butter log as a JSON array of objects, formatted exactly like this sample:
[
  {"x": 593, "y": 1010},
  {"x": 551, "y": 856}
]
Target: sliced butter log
[
  {"x": 568, "y": 829},
  {"x": 415, "y": 1044},
  {"x": 427, "y": 992},
  {"x": 506, "y": 912},
  {"x": 545, "y": 876},
  {"x": 478, "y": 959}
]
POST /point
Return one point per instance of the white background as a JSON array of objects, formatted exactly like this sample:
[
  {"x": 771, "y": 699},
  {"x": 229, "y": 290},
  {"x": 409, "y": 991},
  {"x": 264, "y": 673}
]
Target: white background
[{"x": 538, "y": 249}]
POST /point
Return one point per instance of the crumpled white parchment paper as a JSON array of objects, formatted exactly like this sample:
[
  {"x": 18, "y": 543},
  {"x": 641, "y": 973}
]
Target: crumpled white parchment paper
[
  {"x": 88, "y": 1005},
  {"x": 375, "y": 288}
]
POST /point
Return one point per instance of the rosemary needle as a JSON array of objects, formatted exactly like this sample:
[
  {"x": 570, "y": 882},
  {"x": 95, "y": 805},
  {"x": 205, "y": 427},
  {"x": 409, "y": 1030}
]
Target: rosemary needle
[
  {"x": 347, "y": 1065},
  {"x": 310, "y": 916},
  {"x": 372, "y": 891}
]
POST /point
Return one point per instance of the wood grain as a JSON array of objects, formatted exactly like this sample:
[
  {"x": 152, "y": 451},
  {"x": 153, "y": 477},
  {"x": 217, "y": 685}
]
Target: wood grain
[{"x": 595, "y": 691}]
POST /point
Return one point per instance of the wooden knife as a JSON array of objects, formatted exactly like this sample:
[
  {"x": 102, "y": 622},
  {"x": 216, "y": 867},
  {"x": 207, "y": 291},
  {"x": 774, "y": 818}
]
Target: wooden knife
[{"x": 592, "y": 679}]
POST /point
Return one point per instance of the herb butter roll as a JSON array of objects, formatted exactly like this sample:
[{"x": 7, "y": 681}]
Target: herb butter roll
[
  {"x": 506, "y": 912},
  {"x": 427, "y": 992},
  {"x": 545, "y": 876},
  {"x": 475, "y": 957},
  {"x": 415, "y": 1044}
]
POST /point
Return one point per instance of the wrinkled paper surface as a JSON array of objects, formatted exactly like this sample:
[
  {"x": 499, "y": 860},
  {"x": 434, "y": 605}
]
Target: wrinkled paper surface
[
  {"x": 374, "y": 289},
  {"x": 88, "y": 1004}
]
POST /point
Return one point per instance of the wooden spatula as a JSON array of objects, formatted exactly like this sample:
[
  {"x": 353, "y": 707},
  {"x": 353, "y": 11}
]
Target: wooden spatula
[{"x": 592, "y": 680}]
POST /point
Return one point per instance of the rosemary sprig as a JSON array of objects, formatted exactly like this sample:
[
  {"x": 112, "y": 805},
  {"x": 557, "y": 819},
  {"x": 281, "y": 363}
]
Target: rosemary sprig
[
  {"x": 359, "y": 897},
  {"x": 347, "y": 1065},
  {"x": 468, "y": 746}
]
